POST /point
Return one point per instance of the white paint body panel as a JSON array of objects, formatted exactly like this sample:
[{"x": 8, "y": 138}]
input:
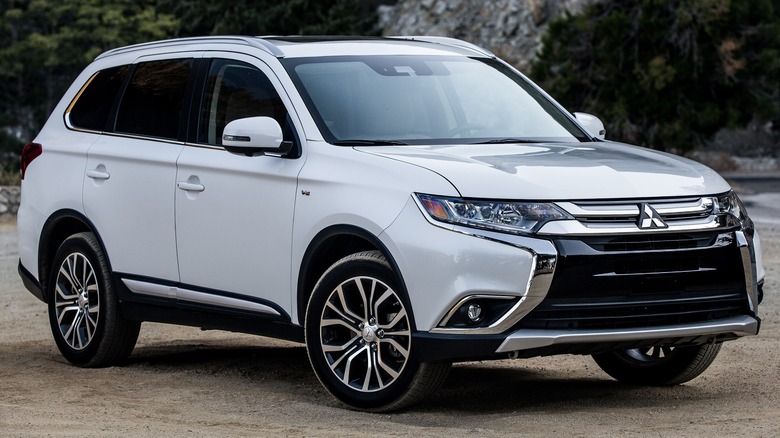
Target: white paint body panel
[
  {"x": 556, "y": 171},
  {"x": 235, "y": 235},
  {"x": 133, "y": 208},
  {"x": 62, "y": 162},
  {"x": 349, "y": 187},
  {"x": 440, "y": 267}
]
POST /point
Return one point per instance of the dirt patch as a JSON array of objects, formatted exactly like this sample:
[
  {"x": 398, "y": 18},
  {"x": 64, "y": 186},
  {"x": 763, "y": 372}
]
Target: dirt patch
[{"x": 183, "y": 381}]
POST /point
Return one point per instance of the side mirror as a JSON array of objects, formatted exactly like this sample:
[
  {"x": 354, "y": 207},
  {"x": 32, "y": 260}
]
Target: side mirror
[
  {"x": 593, "y": 124},
  {"x": 254, "y": 136}
]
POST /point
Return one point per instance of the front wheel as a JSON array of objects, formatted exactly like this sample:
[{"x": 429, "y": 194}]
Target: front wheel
[
  {"x": 359, "y": 337},
  {"x": 658, "y": 366},
  {"x": 83, "y": 306}
]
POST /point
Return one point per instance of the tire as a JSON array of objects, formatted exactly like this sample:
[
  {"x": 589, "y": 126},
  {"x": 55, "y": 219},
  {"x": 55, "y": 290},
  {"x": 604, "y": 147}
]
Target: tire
[
  {"x": 366, "y": 357},
  {"x": 658, "y": 366},
  {"x": 83, "y": 306}
]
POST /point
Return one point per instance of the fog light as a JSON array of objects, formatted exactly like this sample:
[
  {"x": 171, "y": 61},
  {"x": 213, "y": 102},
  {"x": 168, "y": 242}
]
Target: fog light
[
  {"x": 474, "y": 312},
  {"x": 477, "y": 311}
]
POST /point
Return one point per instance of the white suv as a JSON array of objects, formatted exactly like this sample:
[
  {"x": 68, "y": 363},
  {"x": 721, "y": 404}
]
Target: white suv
[{"x": 397, "y": 204}]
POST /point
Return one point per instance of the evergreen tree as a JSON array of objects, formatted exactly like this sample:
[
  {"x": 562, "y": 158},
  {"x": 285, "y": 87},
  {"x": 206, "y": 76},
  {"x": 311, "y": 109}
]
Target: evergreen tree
[
  {"x": 44, "y": 45},
  {"x": 273, "y": 17},
  {"x": 666, "y": 73}
]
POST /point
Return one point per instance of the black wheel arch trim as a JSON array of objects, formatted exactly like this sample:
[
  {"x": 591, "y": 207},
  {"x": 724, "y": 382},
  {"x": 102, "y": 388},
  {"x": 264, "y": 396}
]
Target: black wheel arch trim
[
  {"x": 344, "y": 230},
  {"x": 47, "y": 232}
]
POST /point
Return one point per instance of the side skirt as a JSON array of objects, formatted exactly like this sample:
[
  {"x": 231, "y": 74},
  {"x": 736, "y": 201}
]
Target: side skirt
[{"x": 156, "y": 301}]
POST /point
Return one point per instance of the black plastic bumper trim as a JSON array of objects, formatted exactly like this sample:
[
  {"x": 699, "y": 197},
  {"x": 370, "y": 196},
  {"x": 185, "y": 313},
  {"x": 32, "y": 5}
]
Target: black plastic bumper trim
[
  {"x": 434, "y": 347},
  {"x": 31, "y": 283}
]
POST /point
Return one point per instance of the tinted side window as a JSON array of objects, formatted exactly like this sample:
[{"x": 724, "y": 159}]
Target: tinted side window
[
  {"x": 236, "y": 90},
  {"x": 154, "y": 99},
  {"x": 93, "y": 106}
]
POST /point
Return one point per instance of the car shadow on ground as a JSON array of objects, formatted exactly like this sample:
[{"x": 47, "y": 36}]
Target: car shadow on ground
[
  {"x": 477, "y": 387},
  {"x": 485, "y": 389},
  {"x": 249, "y": 362}
]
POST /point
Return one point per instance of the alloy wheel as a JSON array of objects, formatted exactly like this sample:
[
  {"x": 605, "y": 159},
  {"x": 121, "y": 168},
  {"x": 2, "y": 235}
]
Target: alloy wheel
[
  {"x": 365, "y": 334},
  {"x": 77, "y": 301},
  {"x": 650, "y": 355}
]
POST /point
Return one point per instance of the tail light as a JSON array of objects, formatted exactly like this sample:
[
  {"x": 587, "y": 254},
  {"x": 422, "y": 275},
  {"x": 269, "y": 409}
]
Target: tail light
[{"x": 30, "y": 152}]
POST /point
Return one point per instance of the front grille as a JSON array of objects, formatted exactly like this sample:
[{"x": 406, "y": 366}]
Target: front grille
[
  {"x": 672, "y": 211},
  {"x": 636, "y": 311},
  {"x": 600, "y": 284},
  {"x": 651, "y": 242}
]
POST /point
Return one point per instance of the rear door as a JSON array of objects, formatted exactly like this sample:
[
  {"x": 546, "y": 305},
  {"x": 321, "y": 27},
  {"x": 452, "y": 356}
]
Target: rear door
[
  {"x": 131, "y": 173},
  {"x": 234, "y": 213}
]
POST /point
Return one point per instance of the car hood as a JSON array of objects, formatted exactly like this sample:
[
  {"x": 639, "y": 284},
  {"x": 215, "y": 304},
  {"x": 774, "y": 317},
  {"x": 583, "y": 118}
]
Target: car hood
[{"x": 560, "y": 171}]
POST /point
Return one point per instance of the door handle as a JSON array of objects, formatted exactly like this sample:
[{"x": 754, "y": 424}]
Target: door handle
[
  {"x": 190, "y": 187},
  {"x": 98, "y": 173}
]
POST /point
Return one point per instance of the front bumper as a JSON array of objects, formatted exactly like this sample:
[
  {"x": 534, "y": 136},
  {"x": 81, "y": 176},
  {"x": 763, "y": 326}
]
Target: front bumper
[
  {"x": 732, "y": 328},
  {"x": 525, "y": 343},
  {"x": 603, "y": 288}
]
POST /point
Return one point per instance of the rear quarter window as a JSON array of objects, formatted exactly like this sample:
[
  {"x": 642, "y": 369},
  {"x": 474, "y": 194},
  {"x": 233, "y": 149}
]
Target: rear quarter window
[{"x": 92, "y": 107}]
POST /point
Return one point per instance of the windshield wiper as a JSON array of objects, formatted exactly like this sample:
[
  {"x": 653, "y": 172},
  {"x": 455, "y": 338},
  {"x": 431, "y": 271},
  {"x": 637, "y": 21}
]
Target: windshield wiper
[
  {"x": 359, "y": 142},
  {"x": 506, "y": 141}
]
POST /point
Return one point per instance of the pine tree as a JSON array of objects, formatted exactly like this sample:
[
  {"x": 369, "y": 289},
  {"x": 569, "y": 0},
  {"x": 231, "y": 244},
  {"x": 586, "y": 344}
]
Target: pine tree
[{"x": 666, "y": 74}]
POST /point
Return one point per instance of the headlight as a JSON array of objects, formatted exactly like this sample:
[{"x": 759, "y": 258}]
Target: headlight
[
  {"x": 731, "y": 204},
  {"x": 506, "y": 217}
]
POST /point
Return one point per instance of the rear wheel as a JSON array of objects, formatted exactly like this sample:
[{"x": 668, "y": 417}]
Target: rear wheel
[
  {"x": 658, "y": 366},
  {"x": 83, "y": 306},
  {"x": 359, "y": 337}
]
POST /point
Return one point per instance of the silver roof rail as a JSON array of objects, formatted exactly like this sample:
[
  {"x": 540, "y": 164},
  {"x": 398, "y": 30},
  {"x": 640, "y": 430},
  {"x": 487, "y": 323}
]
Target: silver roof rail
[
  {"x": 447, "y": 41},
  {"x": 250, "y": 41}
]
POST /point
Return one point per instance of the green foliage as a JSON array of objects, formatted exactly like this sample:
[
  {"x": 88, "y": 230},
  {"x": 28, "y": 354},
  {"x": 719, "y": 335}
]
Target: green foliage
[
  {"x": 273, "y": 17},
  {"x": 10, "y": 149},
  {"x": 666, "y": 73},
  {"x": 45, "y": 44}
]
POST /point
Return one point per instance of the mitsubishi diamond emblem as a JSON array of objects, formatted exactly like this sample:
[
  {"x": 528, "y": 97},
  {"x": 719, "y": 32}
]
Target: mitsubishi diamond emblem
[{"x": 649, "y": 218}]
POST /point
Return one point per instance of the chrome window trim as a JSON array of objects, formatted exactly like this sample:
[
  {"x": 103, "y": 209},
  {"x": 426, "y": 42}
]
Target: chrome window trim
[
  {"x": 66, "y": 116},
  {"x": 205, "y": 146},
  {"x": 131, "y": 136}
]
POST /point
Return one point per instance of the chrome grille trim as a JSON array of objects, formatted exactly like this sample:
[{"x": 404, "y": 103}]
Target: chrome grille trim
[
  {"x": 602, "y": 210},
  {"x": 628, "y": 211},
  {"x": 577, "y": 228},
  {"x": 622, "y": 217}
]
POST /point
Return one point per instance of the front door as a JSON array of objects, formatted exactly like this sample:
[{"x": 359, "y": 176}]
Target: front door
[{"x": 234, "y": 214}]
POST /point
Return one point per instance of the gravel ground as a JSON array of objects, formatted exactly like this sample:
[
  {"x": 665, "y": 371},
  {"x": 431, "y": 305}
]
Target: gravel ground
[{"x": 183, "y": 381}]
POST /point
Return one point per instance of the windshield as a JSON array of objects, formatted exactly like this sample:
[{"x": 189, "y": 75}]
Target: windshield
[{"x": 365, "y": 100}]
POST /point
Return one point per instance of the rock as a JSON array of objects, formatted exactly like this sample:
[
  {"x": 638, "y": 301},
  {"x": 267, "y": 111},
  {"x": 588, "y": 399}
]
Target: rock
[
  {"x": 9, "y": 199},
  {"x": 512, "y": 29}
]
